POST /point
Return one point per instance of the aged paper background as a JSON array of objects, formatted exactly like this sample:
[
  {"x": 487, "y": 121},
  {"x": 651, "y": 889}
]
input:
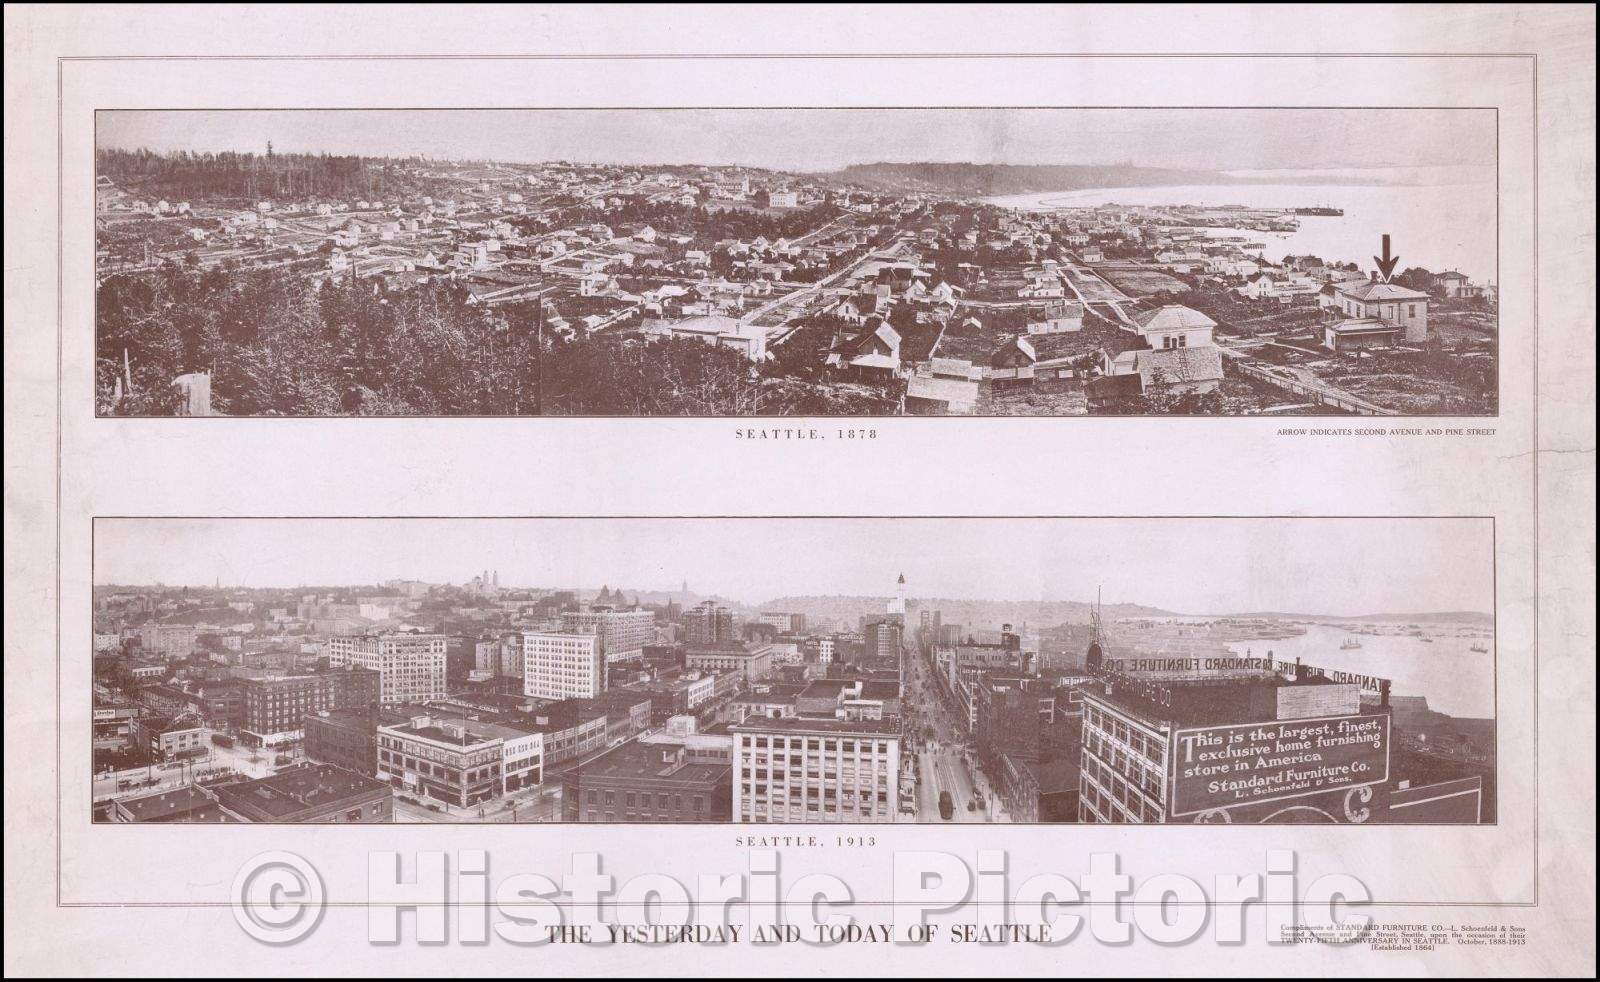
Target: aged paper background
[{"x": 97, "y": 899}]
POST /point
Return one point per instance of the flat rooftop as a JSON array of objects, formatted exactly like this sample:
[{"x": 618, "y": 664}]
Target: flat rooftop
[
  {"x": 1223, "y": 700},
  {"x": 300, "y": 788},
  {"x": 461, "y": 731},
  {"x": 179, "y": 805},
  {"x": 645, "y": 762},
  {"x": 822, "y": 727},
  {"x": 826, "y": 688},
  {"x": 784, "y": 693}
]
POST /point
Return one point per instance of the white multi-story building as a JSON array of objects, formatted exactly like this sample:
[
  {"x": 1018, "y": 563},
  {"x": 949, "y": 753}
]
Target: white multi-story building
[
  {"x": 459, "y": 760},
  {"x": 410, "y": 667},
  {"x": 442, "y": 758},
  {"x": 816, "y": 770},
  {"x": 521, "y": 758},
  {"x": 563, "y": 665},
  {"x": 786, "y": 651},
  {"x": 624, "y": 633},
  {"x": 897, "y": 603},
  {"x": 784, "y": 621},
  {"x": 700, "y": 690}
]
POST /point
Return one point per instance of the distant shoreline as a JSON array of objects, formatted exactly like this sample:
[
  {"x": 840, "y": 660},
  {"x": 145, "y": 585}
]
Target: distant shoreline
[{"x": 1009, "y": 200}]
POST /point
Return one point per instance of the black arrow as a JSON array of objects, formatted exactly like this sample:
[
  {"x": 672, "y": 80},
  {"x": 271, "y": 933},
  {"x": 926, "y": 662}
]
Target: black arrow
[{"x": 1387, "y": 264}]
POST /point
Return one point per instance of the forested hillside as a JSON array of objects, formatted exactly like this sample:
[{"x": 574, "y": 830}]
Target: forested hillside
[
  {"x": 250, "y": 176},
  {"x": 982, "y": 180}
]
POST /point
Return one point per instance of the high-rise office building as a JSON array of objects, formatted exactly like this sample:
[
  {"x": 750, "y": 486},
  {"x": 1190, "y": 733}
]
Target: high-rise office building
[
  {"x": 709, "y": 623},
  {"x": 623, "y": 633},
  {"x": 816, "y": 770},
  {"x": 410, "y": 667},
  {"x": 1245, "y": 747},
  {"x": 563, "y": 665}
]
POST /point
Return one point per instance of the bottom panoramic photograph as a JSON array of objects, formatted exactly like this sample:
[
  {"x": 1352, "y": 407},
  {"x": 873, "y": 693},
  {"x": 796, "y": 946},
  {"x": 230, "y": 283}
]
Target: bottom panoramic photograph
[{"x": 794, "y": 670}]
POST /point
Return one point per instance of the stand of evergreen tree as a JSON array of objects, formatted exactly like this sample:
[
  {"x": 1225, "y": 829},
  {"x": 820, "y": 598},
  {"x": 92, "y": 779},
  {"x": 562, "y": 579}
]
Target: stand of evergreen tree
[
  {"x": 276, "y": 343},
  {"x": 252, "y": 177}
]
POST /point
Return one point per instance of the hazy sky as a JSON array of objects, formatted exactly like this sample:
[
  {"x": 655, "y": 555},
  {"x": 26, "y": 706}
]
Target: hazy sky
[
  {"x": 824, "y": 139},
  {"x": 1322, "y": 566}
]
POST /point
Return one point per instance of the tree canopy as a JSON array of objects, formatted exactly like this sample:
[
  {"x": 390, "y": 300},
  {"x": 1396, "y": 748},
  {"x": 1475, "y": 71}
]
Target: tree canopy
[{"x": 276, "y": 343}]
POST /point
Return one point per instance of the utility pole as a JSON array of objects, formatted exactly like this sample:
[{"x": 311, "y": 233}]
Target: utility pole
[{"x": 538, "y": 353}]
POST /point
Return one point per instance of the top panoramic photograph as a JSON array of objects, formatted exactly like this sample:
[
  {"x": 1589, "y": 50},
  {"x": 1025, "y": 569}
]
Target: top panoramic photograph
[{"x": 796, "y": 262}]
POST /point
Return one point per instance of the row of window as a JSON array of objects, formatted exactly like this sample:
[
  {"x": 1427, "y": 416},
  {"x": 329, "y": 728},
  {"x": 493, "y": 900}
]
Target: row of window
[
  {"x": 847, "y": 795},
  {"x": 1136, "y": 739},
  {"x": 816, "y": 744},
  {"x": 1355, "y": 310},
  {"x": 812, "y": 774},
  {"x": 1114, "y": 798},
  {"x": 794, "y": 758},
  {"x": 472, "y": 776},
  {"x": 643, "y": 799},
  {"x": 594, "y": 815},
  {"x": 1137, "y": 767},
  {"x": 760, "y": 813}
]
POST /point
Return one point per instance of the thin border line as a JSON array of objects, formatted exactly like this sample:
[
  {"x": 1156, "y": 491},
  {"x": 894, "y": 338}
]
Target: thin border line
[
  {"x": 749, "y": 108},
  {"x": 820, "y": 56},
  {"x": 60, "y": 385},
  {"x": 1535, "y": 464},
  {"x": 1532, "y": 56}
]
